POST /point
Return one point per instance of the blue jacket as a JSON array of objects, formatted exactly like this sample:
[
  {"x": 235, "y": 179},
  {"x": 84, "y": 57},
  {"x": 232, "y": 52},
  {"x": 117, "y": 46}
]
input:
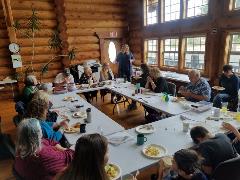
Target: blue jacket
[{"x": 48, "y": 131}]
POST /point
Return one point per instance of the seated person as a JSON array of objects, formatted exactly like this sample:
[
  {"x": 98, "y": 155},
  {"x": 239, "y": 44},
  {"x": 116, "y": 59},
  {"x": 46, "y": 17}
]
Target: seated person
[
  {"x": 30, "y": 88},
  {"x": 185, "y": 166},
  {"x": 88, "y": 78},
  {"x": 38, "y": 158},
  {"x": 158, "y": 84},
  {"x": 106, "y": 74},
  {"x": 89, "y": 161},
  {"x": 230, "y": 82},
  {"x": 142, "y": 80},
  {"x": 64, "y": 79},
  {"x": 38, "y": 108},
  {"x": 213, "y": 149},
  {"x": 236, "y": 141},
  {"x": 198, "y": 89}
]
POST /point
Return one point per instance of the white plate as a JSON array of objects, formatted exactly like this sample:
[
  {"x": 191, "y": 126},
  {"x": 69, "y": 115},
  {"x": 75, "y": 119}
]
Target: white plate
[
  {"x": 162, "y": 151},
  {"x": 80, "y": 114},
  {"x": 69, "y": 98},
  {"x": 117, "y": 169},
  {"x": 218, "y": 88},
  {"x": 145, "y": 129}
]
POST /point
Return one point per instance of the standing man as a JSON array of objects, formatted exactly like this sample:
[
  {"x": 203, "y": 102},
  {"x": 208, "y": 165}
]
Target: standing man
[
  {"x": 124, "y": 60},
  {"x": 230, "y": 82}
]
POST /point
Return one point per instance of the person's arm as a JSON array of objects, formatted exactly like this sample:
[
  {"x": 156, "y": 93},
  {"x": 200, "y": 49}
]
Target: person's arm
[
  {"x": 111, "y": 74},
  {"x": 49, "y": 133},
  {"x": 159, "y": 87},
  {"x": 147, "y": 84},
  {"x": 102, "y": 78},
  {"x": 189, "y": 94},
  {"x": 54, "y": 160},
  {"x": 232, "y": 129},
  {"x": 236, "y": 85}
]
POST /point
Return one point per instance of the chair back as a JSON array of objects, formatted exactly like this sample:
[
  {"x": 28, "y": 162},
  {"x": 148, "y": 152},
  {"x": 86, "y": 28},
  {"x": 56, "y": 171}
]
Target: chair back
[
  {"x": 228, "y": 170},
  {"x": 172, "y": 88}
]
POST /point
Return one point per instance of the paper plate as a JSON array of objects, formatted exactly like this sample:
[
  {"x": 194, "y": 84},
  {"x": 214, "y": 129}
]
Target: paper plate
[
  {"x": 80, "y": 114},
  {"x": 154, "y": 151},
  {"x": 219, "y": 88},
  {"x": 71, "y": 130},
  {"x": 145, "y": 129},
  {"x": 113, "y": 171}
]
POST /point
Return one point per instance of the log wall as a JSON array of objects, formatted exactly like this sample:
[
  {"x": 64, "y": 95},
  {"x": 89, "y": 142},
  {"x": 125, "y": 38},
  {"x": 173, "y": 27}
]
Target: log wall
[{"x": 84, "y": 18}]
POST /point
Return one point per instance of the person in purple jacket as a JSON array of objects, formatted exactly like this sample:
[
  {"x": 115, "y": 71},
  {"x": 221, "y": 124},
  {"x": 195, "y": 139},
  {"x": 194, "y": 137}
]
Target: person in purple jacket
[
  {"x": 38, "y": 108},
  {"x": 38, "y": 158}
]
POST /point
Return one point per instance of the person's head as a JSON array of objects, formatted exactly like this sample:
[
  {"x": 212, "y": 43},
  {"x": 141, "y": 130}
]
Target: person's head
[
  {"x": 87, "y": 70},
  {"x": 227, "y": 70},
  {"x": 144, "y": 68},
  {"x": 185, "y": 162},
  {"x": 194, "y": 75},
  {"x": 199, "y": 134},
  {"x": 66, "y": 72},
  {"x": 126, "y": 47},
  {"x": 31, "y": 80},
  {"x": 38, "y": 106},
  {"x": 106, "y": 66},
  {"x": 155, "y": 73},
  {"x": 90, "y": 158},
  {"x": 29, "y": 137}
]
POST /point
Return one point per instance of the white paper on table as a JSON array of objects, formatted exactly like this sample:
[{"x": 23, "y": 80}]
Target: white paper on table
[{"x": 119, "y": 138}]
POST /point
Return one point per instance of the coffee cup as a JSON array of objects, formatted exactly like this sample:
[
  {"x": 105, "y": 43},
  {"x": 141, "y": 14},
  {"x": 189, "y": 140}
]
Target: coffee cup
[
  {"x": 185, "y": 126},
  {"x": 82, "y": 128},
  {"x": 141, "y": 139}
]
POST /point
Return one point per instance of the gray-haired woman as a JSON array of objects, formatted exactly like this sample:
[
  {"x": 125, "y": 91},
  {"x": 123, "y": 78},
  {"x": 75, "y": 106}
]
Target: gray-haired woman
[
  {"x": 30, "y": 88},
  {"x": 38, "y": 158}
]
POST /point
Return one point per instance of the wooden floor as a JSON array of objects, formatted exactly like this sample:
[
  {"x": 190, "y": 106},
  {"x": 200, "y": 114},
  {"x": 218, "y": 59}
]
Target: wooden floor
[{"x": 122, "y": 116}]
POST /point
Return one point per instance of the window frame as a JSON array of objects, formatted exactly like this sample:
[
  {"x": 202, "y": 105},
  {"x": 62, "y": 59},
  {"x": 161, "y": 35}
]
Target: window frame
[
  {"x": 145, "y": 11},
  {"x": 195, "y": 16},
  {"x": 163, "y": 13},
  {"x": 233, "y": 7},
  {"x": 194, "y": 52},
  {"x": 146, "y": 51},
  {"x": 163, "y": 51},
  {"x": 230, "y": 48}
]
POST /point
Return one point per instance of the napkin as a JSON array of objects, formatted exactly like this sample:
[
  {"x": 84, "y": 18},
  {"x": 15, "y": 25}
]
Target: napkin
[{"x": 119, "y": 138}]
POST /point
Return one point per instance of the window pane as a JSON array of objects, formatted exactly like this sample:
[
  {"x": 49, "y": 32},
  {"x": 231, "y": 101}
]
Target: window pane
[
  {"x": 234, "y": 57},
  {"x": 197, "y": 7},
  {"x": 151, "y": 12},
  {"x": 237, "y": 4},
  {"x": 170, "y": 54},
  {"x": 235, "y": 62},
  {"x": 171, "y": 10},
  {"x": 152, "y": 51},
  {"x": 195, "y": 50}
]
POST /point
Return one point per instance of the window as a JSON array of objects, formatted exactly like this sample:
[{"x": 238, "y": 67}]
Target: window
[
  {"x": 197, "y": 7},
  {"x": 170, "y": 53},
  {"x": 236, "y": 4},
  {"x": 171, "y": 10},
  {"x": 234, "y": 55},
  {"x": 151, "y": 12},
  {"x": 112, "y": 53},
  {"x": 151, "y": 52},
  {"x": 195, "y": 52}
]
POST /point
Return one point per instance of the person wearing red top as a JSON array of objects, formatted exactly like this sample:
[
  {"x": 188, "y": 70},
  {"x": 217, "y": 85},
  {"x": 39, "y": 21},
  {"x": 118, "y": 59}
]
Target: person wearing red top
[{"x": 38, "y": 158}]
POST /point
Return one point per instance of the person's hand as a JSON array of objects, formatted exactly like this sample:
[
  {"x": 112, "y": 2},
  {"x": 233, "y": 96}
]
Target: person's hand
[
  {"x": 64, "y": 123},
  {"x": 67, "y": 80},
  {"x": 186, "y": 93},
  {"x": 229, "y": 127},
  {"x": 149, "y": 79},
  {"x": 59, "y": 147}
]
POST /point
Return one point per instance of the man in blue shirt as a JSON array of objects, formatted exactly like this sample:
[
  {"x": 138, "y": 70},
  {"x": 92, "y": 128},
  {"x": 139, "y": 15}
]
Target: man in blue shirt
[
  {"x": 230, "y": 82},
  {"x": 198, "y": 89},
  {"x": 124, "y": 60}
]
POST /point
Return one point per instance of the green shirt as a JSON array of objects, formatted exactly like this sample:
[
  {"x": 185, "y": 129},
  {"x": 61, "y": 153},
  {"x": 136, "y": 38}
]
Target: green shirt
[{"x": 27, "y": 92}]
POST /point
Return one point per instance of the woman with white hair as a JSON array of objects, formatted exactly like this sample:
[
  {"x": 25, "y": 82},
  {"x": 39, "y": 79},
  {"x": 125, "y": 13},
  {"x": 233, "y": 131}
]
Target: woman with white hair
[
  {"x": 38, "y": 158},
  {"x": 38, "y": 108},
  {"x": 88, "y": 78},
  {"x": 30, "y": 88}
]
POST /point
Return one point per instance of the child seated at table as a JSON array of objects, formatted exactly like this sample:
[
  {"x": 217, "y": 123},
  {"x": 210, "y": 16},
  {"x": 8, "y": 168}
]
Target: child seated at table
[{"x": 185, "y": 166}]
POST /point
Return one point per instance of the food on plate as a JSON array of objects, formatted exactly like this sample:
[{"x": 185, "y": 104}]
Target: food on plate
[
  {"x": 111, "y": 171},
  {"x": 79, "y": 114},
  {"x": 71, "y": 130},
  {"x": 77, "y": 125},
  {"x": 219, "y": 88},
  {"x": 69, "y": 98},
  {"x": 152, "y": 151}
]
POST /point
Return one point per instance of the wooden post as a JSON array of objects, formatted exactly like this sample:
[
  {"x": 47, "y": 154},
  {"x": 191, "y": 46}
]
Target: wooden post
[{"x": 61, "y": 19}]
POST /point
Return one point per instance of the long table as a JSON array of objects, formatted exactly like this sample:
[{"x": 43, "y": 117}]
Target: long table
[
  {"x": 101, "y": 123},
  {"x": 168, "y": 131}
]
